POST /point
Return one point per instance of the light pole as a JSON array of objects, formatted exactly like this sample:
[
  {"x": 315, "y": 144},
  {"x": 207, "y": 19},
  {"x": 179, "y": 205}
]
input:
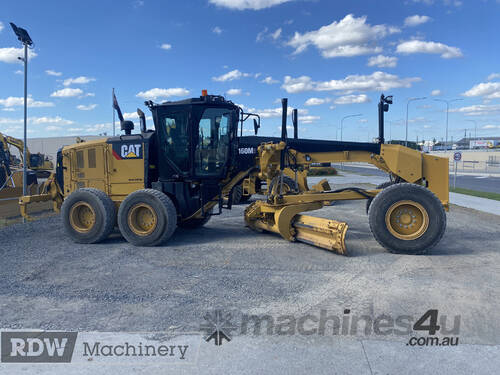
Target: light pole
[
  {"x": 25, "y": 39},
  {"x": 342, "y": 123},
  {"x": 407, "y": 105},
  {"x": 475, "y": 127},
  {"x": 447, "y": 110}
]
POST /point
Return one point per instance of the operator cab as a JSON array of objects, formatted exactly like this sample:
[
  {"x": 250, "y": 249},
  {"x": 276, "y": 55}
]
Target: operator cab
[{"x": 196, "y": 137}]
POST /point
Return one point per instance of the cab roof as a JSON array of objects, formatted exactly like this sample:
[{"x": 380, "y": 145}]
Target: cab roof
[{"x": 201, "y": 100}]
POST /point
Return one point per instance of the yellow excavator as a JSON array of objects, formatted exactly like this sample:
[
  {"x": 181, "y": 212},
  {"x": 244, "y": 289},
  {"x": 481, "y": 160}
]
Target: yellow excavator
[
  {"x": 150, "y": 182},
  {"x": 37, "y": 162}
]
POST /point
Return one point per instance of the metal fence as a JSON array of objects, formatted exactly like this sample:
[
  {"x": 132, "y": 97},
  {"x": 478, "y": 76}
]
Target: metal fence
[{"x": 492, "y": 165}]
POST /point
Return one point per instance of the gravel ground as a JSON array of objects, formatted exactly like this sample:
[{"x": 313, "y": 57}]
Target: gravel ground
[{"x": 48, "y": 282}]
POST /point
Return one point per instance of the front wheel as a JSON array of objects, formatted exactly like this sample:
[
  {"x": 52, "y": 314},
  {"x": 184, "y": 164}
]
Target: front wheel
[{"x": 407, "y": 219}]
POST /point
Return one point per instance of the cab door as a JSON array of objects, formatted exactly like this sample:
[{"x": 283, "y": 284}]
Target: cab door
[{"x": 213, "y": 147}]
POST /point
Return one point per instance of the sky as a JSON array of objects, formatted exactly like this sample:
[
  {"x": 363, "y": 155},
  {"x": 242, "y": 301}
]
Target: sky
[{"x": 331, "y": 59}]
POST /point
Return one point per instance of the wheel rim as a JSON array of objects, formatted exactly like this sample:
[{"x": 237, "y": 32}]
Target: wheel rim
[
  {"x": 407, "y": 220},
  {"x": 142, "y": 219},
  {"x": 82, "y": 217}
]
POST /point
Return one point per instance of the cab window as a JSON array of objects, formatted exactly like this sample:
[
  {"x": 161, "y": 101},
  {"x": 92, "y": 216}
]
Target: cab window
[{"x": 212, "y": 148}]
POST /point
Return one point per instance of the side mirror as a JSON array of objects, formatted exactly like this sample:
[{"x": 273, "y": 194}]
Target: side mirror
[{"x": 256, "y": 126}]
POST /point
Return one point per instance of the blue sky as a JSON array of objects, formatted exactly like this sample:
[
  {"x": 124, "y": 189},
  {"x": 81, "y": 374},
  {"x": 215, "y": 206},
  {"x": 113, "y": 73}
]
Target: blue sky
[{"x": 330, "y": 58}]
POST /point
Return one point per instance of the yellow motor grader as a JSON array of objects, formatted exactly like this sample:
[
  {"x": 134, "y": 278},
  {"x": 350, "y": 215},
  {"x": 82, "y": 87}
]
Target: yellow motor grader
[{"x": 178, "y": 175}]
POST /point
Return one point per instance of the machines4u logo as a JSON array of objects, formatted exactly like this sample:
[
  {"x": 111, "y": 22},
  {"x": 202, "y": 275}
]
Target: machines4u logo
[
  {"x": 37, "y": 347},
  {"x": 127, "y": 150}
]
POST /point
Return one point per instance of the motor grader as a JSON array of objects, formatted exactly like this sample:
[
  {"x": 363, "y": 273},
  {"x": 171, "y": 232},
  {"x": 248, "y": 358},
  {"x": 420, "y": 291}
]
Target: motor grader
[{"x": 177, "y": 175}]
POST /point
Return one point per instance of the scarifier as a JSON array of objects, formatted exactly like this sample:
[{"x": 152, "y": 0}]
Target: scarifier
[{"x": 178, "y": 175}]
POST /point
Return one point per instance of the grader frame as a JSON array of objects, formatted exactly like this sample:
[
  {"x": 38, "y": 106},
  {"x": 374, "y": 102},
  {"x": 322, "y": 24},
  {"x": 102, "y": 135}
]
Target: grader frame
[{"x": 407, "y": 217}]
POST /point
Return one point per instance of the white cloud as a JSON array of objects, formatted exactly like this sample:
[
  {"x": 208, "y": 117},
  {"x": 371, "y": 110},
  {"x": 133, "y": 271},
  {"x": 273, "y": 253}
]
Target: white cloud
[
  {"x": 89, "y": 107},
  {"x": 420, "y": 46},
  {"x": 377, "y": 81},
  {"x": 166, "y": 46},
  {"x": 66, "y": 93},
  {"x": 37, "y": 121},
  {"x": 490, "y": 90},
  {"x": 296, "y": 85},
  {"x": 51, "y": 128},
  {"x": 78, "y": 80},
  {"x": 247, "y": 4},
  {"x": 490, "y": 126},
  {"x": 436, "y": 92},
  {"x": 99, "y": 128},
  {"x": 352, "y": 99},
  {"x": 493, "y": 76},
  {"x": 50, "y": 120},
  {"x": 350, "y": 36},
  {"x": 53, "y": 73},
  {"x": 316, "y": 101},
  {"x": 5, "y": 121},
  {"x": 10, "y": 55},
  {"x": 130, "y": 115},
  {"x": 12, "y": 101},
  {"x": 273, "y": 112},
  {"x": 456, "y": 3},
  {"x": 217, "y": 30},
  {"x": 308, "y": 119},
  {"x": 261, "y": 34},
  {"x": 383, "y": 61},
  {"x": 276, "y": 34},
  {"x": 269, "y": 80},
  {"x": 18, "y": 72},
  {"x": 1, "y": 26},
  {"x": 156, "y": 93},
  {"x": 416, "y": 20},
  {"x": 230, "y": 76},
  {"x": 233, "y": 92},
  {"x": 478, "y": 110}
]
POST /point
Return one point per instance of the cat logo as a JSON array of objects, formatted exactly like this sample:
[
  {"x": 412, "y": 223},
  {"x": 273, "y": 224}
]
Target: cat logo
[{"x": 127, "y": 151}]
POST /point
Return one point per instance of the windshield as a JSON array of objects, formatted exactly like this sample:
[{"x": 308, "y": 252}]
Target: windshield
[{"x": 212, "y": 148}]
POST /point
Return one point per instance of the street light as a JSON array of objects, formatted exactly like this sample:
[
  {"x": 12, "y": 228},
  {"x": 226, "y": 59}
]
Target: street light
[
  {"x": 407, "y": 105},
  {"x": 447, "y": 110},
  {"x": 25, "y": 39},
  {"x": 342, "y": 123},
  {"x": 475, "y": 127}
]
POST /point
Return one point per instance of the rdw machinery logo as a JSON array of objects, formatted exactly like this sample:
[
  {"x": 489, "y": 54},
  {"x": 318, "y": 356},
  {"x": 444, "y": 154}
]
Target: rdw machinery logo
[{"x": 37, "y": 347}]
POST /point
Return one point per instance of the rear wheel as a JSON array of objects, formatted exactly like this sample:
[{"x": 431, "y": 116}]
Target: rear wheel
[
  {"x": 407, "y": 219},
  {"x": 89, "y": 215},
  {"x": 237, "y": 194},
  {"x": 147, "y": 218}
]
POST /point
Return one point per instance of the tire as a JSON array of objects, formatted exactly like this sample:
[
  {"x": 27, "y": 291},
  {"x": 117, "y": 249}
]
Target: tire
[
  {"x": 237, "y": 193},
  {"x": 147, "y": 217},
  {"x": 195, "y": 223},
  {"x": 414, "y": 203},
  {"x": 381, "y": 186},
  {"x": 288, "y": 184},
  {"x": 89, "y": 215}
]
